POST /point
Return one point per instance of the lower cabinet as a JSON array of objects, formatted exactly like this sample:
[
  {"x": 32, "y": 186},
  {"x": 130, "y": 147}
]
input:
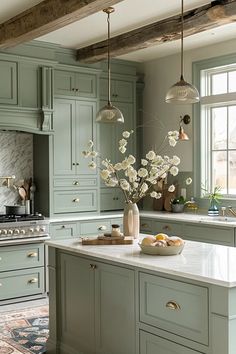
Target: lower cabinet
[
  {"x": 63, "y": 230},
  {"x": 150, "y": 344},
  {"x": 96, "y": 312}
]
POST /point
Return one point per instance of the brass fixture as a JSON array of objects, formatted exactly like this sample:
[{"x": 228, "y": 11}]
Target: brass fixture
[
  {"x": 182, "y": 92},
  {"x": 186, "y": 120},
  {"x": 232, "y": 211},
  {"x": 7, "y": 180},
  {"x": 173, "y": 305},
  {"x": 109, "y": 113}
]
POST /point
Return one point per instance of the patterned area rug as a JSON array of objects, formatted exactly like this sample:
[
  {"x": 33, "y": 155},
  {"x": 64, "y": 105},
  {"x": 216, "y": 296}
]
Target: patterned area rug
[{"x": 25, "y": 331}]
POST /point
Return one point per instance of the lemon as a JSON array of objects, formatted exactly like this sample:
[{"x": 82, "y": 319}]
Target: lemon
[{"x": 161, "y": 236}]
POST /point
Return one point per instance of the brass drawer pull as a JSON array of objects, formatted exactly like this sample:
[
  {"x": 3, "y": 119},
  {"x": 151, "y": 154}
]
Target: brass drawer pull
[
  {"x": 93, "y": 266},
  {"x": 33, "y": 280},
  {"x": 32, "y": 254},
  {"x": 75, "y": 183},
  {"x": 173, "y": 305},
  {"x": 76, "y": 200},
  {"x": 166, "y": 227},
  {"x": 144, "y": 225},
  {"x": 102, "y": 228}
]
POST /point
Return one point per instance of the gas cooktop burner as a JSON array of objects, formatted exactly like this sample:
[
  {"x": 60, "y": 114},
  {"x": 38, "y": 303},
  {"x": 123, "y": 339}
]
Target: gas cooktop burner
[{"x": 12, "y": 218}]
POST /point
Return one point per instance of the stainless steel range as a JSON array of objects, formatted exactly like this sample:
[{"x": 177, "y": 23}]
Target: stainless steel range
[{"x": 23, "y": 228}]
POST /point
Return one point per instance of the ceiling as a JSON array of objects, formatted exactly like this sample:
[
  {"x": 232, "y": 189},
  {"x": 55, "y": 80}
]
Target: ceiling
[{"x": 129, "y": 14}]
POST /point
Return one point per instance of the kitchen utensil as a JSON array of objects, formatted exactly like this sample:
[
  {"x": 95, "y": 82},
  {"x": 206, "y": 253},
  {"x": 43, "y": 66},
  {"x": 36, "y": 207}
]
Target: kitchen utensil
[
  {"x": 22, "y": 192},
  {"x": 32, "y": 191},
  {"x": 15, "y": 209}
]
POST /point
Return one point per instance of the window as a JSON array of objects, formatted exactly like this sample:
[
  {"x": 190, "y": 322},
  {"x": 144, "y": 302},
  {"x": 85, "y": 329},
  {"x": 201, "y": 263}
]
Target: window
[{"x": 217, "y": 129}]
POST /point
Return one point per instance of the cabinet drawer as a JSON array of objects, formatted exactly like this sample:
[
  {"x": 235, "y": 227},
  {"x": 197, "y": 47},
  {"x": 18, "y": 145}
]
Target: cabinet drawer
[
  {"x": 20, "y": 257},
  {"x": 150, "y": 344},
  {"x": 63, "y": 230},
  {"x": 174, "y": 306},
  {"x": 74, "y": 182},
  {"x": 22, "y": 283},
  {"x": 75, "y": 201},
  {"x": 146, "y": 226},
  {"x": 221, "y": 236},
  {"x": 169, "y": 228},
  {"x": 95, "y": 227}
]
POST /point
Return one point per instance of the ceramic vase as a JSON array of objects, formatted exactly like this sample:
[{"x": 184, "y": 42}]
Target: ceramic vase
[{"x": 131, "y": 222}]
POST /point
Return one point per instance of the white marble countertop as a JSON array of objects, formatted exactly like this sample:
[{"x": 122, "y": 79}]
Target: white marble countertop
[
  {"x": 186, "y": 217},
  {"x": 205, "y": 262}
]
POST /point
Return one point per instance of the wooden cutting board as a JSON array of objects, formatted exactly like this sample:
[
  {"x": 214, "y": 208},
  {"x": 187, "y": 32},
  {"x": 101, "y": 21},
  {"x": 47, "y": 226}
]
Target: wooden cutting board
[{"x": 106, "y": 241}]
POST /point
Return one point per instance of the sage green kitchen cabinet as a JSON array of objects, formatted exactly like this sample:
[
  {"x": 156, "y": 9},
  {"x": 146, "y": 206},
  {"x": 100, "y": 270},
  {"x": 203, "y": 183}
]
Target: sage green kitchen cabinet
[
  {"x": 63, "y": 230},
  {"x": 95, "y": 315},
  {"x": 75, "y": 84},
  {"x": 168, "y": 227},
  {"x": 73, "y": 128},
  {"x": 8, "y": 87},
  {"x": 121, "y": 90},
  {"x": 152, "y": 344},
  {"x": 112, "y": 199},
  {"x": 30, "y": 84}
]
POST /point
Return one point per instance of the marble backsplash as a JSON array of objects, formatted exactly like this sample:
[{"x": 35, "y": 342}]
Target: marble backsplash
[{"x": 16, "y": 158}]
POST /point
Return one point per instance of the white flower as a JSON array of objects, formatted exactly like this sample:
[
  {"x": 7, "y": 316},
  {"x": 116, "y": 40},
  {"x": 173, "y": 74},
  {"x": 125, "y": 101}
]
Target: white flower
[
  {"x": 124, "y": 184},
  {"x": 155, "y": 195},
  {"x": 131, "y": 159},
  {"x": 158, "y": 160},
  {"x": 94, "y": 153},
  {"x": 90, "y": 144},
  {"x": 188, "y": 181},
  {"x": 175, "y": 160},
  {"x": 172, "y": 142},
  {"x": 151, "y": 155},
  {"x": 118, "y": 166},
  {"x": 125, "y": 164},
  {"x": 122, "y": 149},
  {"x": 135, "y": 185},
  {"x": 144, "y": 188},
  {"x": 86, "y": 153},
  {"x": 142, "y": 172},
  {"x": 174, "y": 170},
  {"x": 92, "y": 165},
  {"x": 171, "y": 188},
  {"x": 132, "y": 174},
  {"x": 154, "y": 172},
  {"x": 104, "y": 174},
  {"x": 144, "y": 162},
  {"x": 123, "y": 142},
  {"x": 105, "y": 163},
  {"x": 112, "y": 182},
  {"x": 126, "y": 134}
]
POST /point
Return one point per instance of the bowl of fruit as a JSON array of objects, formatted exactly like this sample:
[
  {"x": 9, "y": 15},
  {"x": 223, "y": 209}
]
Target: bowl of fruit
[{"x": 162, "y": 245}]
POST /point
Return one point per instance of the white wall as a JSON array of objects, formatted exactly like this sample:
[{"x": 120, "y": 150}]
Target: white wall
[{"x": 160, "y": 74}]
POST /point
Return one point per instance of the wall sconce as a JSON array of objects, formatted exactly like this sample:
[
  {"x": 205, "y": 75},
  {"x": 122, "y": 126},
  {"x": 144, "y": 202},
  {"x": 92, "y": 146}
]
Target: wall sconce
[{"x": 186, "y": 120}]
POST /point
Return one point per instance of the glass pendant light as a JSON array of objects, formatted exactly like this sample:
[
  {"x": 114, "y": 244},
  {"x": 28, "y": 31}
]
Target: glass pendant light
[
  {"x": 182, "y": 92},
  {"x": 109, "y": 113}
]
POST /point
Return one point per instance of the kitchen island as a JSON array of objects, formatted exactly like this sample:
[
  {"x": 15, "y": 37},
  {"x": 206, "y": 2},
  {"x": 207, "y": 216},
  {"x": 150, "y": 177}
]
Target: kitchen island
[{"x": 116, "y": 300}]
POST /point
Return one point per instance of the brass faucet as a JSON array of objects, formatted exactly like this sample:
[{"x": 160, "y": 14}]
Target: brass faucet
[
  {"x": 232, "y": 211},
  {"x": 7, "y": 180}
]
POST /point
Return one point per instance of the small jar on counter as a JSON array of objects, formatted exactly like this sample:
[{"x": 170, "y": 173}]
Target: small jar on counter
[{"x": 115, "y": 231}]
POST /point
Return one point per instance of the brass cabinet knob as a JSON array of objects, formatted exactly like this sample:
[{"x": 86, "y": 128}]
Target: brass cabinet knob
[
  {"x": 75, "y": 183},
  {"x": 93, "y": 266},
  {"x": 76, "y": 200},
  {"x": 166, "y": 227},
  {"x": 33, "y": 280},
  {"x": 77, "y": 163},
  {"x": 173, "y": 305},
  {"x": 73, "y": 89},
  {"x": 144, "y": 225},
  {"x": 77, "y": 90},
  {"x": 32, "y": 254},
  {"x": 102, "y": 228},
  {"x": 73, "y": 164}
]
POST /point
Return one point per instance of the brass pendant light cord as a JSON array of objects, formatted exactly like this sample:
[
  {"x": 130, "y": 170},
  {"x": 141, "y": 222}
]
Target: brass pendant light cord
[
  {"x": 108, "y": 59},
  {"x": 182, "y": 40}
]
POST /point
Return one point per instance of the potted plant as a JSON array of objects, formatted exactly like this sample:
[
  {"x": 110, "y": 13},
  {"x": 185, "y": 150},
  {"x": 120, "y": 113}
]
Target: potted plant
[{"x": 177, "y": 204}]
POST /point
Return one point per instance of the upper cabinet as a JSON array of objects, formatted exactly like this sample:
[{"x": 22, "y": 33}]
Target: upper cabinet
[
  {"x": 121, "y": 90},
  {"x": 75, "y": 84},
  {"x": 8, "y": 86}
]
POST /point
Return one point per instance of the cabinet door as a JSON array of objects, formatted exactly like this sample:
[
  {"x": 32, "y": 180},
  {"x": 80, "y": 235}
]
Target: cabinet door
[
  {"x": 115, "y": 310},
  {"x": 169, "y": 228},
  {"x": 64, "y": 83},
  {"x": 76, "y": 306},
  {"x": 150, "y": 344},
  {"x": 29, "y": 85},
  {"x": 64, "y": 137},
  {"x": 85, "y": 112},
  {"x": 111, "y": 199},
  {"x": 123, "y": 91},
  {"x": 86, "y": 85},
  {"x": 8, "y": 86}
]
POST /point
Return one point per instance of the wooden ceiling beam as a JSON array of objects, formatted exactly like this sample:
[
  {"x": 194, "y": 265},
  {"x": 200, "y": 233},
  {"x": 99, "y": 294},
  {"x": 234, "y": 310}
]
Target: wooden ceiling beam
[
  {"x": 47, "y": 16},
  {"x": 214, "y": 14}
]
